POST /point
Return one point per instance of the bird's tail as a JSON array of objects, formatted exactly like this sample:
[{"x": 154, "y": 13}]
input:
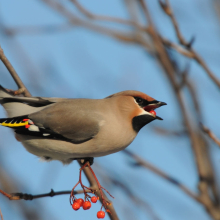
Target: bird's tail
[{"x": 15, "y": 122}]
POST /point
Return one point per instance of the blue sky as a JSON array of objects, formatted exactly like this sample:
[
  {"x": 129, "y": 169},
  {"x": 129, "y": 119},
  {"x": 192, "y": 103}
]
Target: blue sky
[{"x": 82, "y": 64}]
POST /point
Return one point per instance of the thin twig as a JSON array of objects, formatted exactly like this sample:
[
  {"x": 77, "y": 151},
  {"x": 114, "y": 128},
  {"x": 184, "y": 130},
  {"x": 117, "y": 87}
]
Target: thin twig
[
  {"x": 210, "y": 134},
  {"x": 168, "y": 132},
  {"x": 13, "y": 73},
  {"x": 106, "y": 18},
  {"x": 8, "y": 183},
  {"x": 1, "y": 215},
  {"x": 207, "y": 180},
  {"x": 206, "y": 68},
  {"x": 188, "y": 45},
  {"x": 110, "y": 177},
  {"x": 168, "y": 10},
  {"x": 119, "y": 35},
  {"x": 25, "y": 196},
  {"x": 144, "y": 163},
  {"x": 214, "y": 210},
  {"x": 180, "y": 49}
]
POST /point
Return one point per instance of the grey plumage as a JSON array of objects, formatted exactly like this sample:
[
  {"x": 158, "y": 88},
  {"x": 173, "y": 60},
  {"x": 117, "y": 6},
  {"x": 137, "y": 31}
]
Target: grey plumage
[{"x": 79, "y": 128}]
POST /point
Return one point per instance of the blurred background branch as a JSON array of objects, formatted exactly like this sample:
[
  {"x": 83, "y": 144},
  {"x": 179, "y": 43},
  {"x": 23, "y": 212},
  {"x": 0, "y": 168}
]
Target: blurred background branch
[{"x": 1, "y": 215}]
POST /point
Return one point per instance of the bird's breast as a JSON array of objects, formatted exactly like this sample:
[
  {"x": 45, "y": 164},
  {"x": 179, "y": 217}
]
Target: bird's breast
[{"x": 114, "y": 135}]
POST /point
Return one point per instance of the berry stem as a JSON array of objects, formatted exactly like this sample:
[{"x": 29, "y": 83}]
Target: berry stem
[
  {"x": 72, "y": 197},
  {"x": 104, "y": 202}
]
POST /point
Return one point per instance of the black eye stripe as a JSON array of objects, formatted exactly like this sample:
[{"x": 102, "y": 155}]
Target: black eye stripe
[
  {"x": 139, "y": 100},
  {"x": 142, "y": 102}
]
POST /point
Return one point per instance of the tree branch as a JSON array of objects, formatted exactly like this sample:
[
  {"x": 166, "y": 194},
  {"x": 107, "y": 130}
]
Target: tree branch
[
  {"x": 106, "y": 18},
  {"x": 25, "y": 196},
  {"x": 188, "y": 45},
  {"x": 1, "y": 215},
  {"x": 145, "y": 164},
  {"x": 112, "y": 215},
  {"x": 13, "y": 73},
  {"x": 210, "y": 134},
  {"x": 204, "y": 166}
]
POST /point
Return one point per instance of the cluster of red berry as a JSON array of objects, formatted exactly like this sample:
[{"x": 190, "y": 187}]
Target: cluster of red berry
[{"x": 87, "y": 205}]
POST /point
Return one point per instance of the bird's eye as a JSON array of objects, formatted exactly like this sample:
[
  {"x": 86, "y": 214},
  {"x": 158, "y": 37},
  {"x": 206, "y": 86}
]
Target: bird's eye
[{"x": 139, "y": 100}]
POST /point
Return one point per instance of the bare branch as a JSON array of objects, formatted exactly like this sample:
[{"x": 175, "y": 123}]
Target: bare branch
[
  {"x": 109, "y": 177},
  {"x": 204, "y": 166},
  {"x": 1, "y": 215},
  {"x": 178, "y": 48},
  {"x": 144, "y": 163},
  {"x": 165, "y": 131},
  {"x": 188, "y": 45},
  {"x": 202, "y": 198},
  {"x": 210, "y": 134},
  {"x": 119, "y": 35},
  {"x": 168, "y": 10},
  {"x": 112, "y": 215},
  {"x": 206, "y": 68},
  {"x": 25, "y": 196},
  {"x": 13, "y": 73},
  {"x": 106, "y": 18}
]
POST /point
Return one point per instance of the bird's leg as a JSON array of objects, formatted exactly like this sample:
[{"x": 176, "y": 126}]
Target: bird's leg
[{"x": 83, "y": 161}]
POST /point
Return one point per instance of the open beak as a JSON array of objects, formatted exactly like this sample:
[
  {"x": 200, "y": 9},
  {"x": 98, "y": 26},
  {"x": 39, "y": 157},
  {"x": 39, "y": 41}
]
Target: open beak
[{"x": 151, "y": 107}]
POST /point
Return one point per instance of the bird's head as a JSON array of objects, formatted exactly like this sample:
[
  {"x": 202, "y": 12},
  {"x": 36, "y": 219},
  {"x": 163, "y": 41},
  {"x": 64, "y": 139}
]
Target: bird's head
[{"x": 138, "y": 106}]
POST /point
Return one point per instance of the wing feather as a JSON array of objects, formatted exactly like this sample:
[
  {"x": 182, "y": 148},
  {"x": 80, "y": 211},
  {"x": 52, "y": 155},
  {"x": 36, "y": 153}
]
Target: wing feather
[{"x": 75, "y": 119}]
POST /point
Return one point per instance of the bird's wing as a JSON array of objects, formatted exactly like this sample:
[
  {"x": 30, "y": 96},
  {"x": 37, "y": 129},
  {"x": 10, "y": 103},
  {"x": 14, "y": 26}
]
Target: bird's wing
[{"x": 75, "y": 120}]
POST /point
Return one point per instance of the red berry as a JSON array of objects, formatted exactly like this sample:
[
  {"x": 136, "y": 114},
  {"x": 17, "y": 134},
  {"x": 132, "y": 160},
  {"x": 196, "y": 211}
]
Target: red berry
[
  {"x": 100, "y": 214},
  {"x": 87, "y": 205},
  {"x": 94, "y": 199},
  {"x": 75, "y": 206},
  {"x": 80, "y": 201},
  {"x": 152, "y": 112}
]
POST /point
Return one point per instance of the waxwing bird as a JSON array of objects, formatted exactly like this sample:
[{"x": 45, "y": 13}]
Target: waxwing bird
[{"x": 67, "y": 129}]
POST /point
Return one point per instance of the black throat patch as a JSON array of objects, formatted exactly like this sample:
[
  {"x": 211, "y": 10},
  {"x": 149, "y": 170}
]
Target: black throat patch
[{"x": 140, "y": 121}]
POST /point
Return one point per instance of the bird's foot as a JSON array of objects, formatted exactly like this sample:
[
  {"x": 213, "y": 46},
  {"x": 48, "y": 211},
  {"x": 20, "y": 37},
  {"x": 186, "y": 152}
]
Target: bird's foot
[
  {"x": 83, "y": 161},
  {"x": 87, "y": 190}
]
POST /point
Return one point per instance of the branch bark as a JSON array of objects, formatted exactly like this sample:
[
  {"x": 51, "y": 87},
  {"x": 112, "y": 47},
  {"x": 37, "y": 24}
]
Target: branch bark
[
  {"x": 210, "y": 134},
  {"x": 13, "y": 73},
  {"x": 143, "y": 163},
  {"x": 1, "y": 215},
  {"x": 188, "y": 45}
]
